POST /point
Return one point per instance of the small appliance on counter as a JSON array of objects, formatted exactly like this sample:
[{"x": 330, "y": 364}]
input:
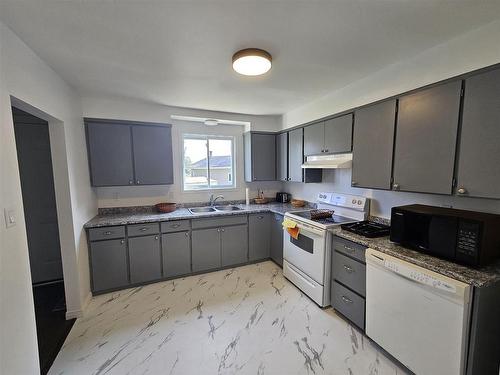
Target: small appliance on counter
[
  {"x": 283, "y": 197},
  {"x": 466, "y": 237},
  {"x": 367, "y": 228}
]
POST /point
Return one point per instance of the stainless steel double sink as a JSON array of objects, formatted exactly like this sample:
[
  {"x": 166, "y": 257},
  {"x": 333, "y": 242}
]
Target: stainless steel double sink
[{"x": 207, "y": 209}]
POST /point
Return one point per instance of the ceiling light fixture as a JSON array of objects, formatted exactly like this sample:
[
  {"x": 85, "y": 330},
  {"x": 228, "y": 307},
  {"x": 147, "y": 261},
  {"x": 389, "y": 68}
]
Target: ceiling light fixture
[
  {"x": 211, "y": 122},
  {"x": 252, "y": 61}
]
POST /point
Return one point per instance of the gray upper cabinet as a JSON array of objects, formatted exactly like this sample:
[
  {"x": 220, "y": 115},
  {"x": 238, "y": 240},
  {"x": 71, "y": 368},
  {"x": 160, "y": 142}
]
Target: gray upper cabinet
[
  {"x": 314, "y": 139},
  {"x": 331, "y": 136},
  {"x": 479, "y": 159},
  {"x": 260, "y": 156},
  {"x": 426, "y": 139},
  {"x": 338, "y": 134},
  {"x": 129, "y": 153},
  {"x": 259, "y": 234},
  {"x": 234, "y": 245},
  {"x": 373, "y": 145},
  {"x": 108, "y": 264},
  {"x": 277, "y": 238},
  {"x": 110, "y": 154},
  {"x": 176, "y": 253},
  {"x": 144, "y": 258},
  {"x": 206, "y": 252},
  {"x": 282, "y": 157},
  {"x": 152, "y": 147},
  {"x": 295, "y": 155}
]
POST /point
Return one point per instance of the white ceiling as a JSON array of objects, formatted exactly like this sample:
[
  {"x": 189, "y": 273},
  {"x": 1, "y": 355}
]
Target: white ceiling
[{"x": 179, "y": 52}]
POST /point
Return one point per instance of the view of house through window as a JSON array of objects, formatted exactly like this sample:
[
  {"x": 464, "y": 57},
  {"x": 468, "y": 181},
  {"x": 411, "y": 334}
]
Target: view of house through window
[{"x": 208, "y": 162}]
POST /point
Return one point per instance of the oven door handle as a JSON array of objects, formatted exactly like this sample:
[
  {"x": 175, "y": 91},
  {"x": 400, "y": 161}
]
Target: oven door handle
[{"x": 310, "y": 229}]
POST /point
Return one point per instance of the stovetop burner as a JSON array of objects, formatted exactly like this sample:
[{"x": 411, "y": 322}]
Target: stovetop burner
[
  {"x": 331, "y": 220},
  {"x": 367, "y": 228}
]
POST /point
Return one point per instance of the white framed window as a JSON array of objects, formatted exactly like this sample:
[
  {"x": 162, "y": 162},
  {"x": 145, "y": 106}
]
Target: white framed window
[{"x": 208, "y": 162}]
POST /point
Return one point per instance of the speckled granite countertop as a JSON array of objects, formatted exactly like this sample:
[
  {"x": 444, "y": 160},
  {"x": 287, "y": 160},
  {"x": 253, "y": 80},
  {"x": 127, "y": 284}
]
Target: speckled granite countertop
[
  {"x": 183, "y": 213},
  {"x": 480, "y": 277}
]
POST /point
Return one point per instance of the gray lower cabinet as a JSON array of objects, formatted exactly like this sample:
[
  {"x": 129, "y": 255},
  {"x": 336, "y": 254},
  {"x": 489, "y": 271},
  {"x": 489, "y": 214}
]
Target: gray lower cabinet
[
  {"x": 426, "y": 138},
  {"x": 205, "y": 249},
  {"x": 152, "y": 155},
  {"x": 260, "y": 156},
  {"x": 295, "y": 155},
  {"x": 479, "y": 159},
  {"x": 314, "y": 139},
  {"x": 234, "y": 245},
  {"x": 108, "y": 264},
  {"x": 144, "y": 258},
  {"x": 338, "y": 134},
  {"x": 277, "y": 239},
  {"x": 282, "y": 157},
  {"x": 110, "y": 154},
  {"x": 373, "y": 142},
  {"x": 259, "y": 233},
  {"x": 176, "y": 253}
]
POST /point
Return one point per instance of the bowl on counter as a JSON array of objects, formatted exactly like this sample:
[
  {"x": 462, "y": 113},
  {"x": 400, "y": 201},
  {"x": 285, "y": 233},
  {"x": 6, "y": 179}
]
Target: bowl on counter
[
  {"x": 298, "y": 203},
  {"x": 166, "y": 207}
]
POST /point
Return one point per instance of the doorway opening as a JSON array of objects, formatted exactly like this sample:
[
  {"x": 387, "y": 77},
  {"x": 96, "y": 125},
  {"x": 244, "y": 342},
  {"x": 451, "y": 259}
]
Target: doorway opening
[{"x": 42, "y": 229}]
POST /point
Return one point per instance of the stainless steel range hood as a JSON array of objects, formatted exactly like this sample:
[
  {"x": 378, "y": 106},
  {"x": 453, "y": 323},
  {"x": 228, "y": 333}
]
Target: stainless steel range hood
[{"x": 328, "y": 161}]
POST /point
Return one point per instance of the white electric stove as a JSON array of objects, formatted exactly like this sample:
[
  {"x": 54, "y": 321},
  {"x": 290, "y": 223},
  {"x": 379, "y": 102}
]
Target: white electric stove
[{"x": 307, "y": 259}]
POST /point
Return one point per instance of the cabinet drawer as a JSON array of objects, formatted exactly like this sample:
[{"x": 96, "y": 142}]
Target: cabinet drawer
[
  {"x": 349, "y": 304},
  {"x": 349, "y": 248},
  {"x": 349, "y": 272},
  {"x": 142, "y": 229},
  {"x": 219, "y": 221},
  {"x": 106, "y": 233},
  {"x": 174, "y": 226}
]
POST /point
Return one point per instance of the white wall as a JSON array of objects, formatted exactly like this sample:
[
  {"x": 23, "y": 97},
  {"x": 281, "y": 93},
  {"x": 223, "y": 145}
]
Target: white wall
[
  {"x": 470, "y": 51},
  {"x": 30, "y": 83},
  {"x": 146, "y": 195}
]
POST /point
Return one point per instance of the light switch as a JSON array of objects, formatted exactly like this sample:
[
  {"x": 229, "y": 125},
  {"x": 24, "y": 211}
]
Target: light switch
[{"x": 10, "y": 217}]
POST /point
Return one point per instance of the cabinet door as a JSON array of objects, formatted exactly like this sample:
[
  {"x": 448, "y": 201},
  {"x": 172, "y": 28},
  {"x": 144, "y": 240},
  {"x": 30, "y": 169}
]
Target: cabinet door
[
  {"x": 259, "y": 236},
  {"x": 277, "y": 239},
  {"x": 144, "y": 258},
  {"x": 108, "y": 264},
  {"x": 282, "y": 155},
  {"x": 110, "y": 154},
  {"x": 373, "y": 145},
  {"x": 176, "y": 253},
  {"x": 479, "y": 159},
  {"x": 426, "y": 139},
  {"x": 314, "y": 139},
  {"x": 338, "y": 134},
  {"x": 295, "y": 155},
  {"x": 152, "y": 155},
  {"x": 234, "y": 245},
  {"x": 263, "y": 157},
  {"x": 205, "y": 247}
]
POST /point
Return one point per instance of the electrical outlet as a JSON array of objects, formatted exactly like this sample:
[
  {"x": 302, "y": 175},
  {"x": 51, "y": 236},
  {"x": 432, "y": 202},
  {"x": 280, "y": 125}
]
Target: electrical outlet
[{"x": 10, "y": 217}]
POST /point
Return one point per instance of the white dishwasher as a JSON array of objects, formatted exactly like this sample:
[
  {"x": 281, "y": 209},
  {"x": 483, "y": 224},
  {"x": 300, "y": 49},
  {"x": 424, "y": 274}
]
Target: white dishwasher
[{"x": 420, "y": 317}]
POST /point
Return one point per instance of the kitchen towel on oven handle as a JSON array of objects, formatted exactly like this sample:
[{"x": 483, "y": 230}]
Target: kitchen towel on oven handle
[{"x": 291, "y": 227}]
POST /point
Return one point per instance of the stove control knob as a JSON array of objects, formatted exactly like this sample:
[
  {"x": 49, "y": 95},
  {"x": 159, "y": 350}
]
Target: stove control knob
[
  {"x": 359, "y": 201},
  {"x": 354, "y": 201}
]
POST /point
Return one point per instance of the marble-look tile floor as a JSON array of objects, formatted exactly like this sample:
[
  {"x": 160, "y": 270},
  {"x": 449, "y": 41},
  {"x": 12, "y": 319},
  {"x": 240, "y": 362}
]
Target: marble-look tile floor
[{"x": 246, "y": 320}]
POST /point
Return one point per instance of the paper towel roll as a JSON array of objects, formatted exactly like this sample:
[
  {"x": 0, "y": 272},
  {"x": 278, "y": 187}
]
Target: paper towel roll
[{"x": 247, "y": 197}]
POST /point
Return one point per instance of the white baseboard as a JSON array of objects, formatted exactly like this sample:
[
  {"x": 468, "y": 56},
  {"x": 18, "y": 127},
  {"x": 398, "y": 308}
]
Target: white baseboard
[{"x": 72, "y": 314}]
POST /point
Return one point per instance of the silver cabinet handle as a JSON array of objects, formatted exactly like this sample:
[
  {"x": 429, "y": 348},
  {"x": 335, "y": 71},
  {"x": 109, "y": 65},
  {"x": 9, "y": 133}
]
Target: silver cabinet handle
[
  {"x": 462, "y": 190},
  {"x": 348, "y": 269},
  {"x": 156, "y": 237},
  {"x": 218, "y": 229},
  {"x": 222, "y": 230},
  {"x": 354, "y": 183},
  {"x": 130, "y": 182},
  {"x": 175, "y": 225},
  {"x": 186, "y": 234},
  {"x": 396, "y": 186},
  {"x": 108, "y": 233},
  {"x": 260, "y": 217},
  {"x": 122, "y": 242},
  {"x": 143, "y": 229},
  {"x": 138, "y": 182},
  {"x": 346, "y": 300},
  {"x": 326, "y": 150},
  {"x": 349, "y": 249}
]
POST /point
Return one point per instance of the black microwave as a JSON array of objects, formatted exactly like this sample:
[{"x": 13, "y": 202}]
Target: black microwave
[{"x": 466, "y": 237}]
